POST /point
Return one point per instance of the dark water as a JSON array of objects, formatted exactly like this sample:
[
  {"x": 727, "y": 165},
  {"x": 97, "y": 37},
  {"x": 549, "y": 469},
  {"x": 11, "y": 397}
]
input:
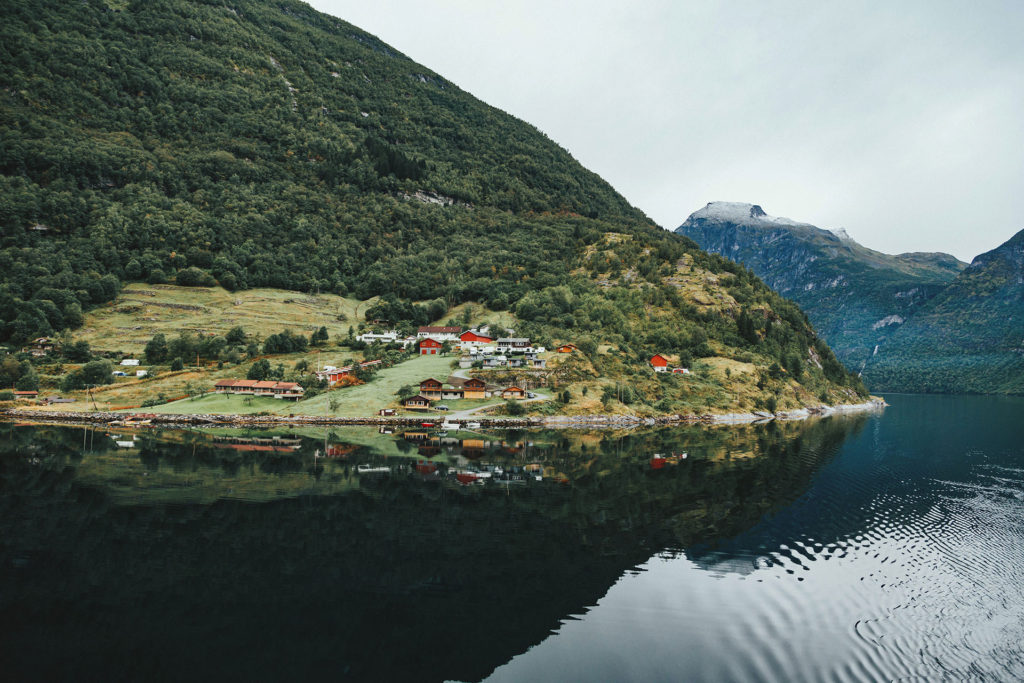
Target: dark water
[{"x": 885, "y": 546}]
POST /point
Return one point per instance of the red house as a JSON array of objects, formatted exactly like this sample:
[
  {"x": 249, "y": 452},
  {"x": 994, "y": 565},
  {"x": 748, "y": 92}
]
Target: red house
[
  {"x": 659, "y": 363},
  {"x": 430, "y": 347},
  {"x": 471, "y": 336}
]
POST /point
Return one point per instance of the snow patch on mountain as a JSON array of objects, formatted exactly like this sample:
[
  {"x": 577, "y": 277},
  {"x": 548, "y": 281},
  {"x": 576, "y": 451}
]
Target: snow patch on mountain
[{"x": 740, "y": 213}]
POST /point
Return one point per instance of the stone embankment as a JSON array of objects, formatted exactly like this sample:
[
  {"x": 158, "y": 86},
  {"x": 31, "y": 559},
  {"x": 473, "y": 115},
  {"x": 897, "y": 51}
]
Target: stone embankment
[
  {"x": 81, "y": 417},
  {"x": 556, "y": 422}
]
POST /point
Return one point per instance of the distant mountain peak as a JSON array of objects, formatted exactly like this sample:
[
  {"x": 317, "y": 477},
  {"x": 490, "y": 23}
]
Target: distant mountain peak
[
  {"x": 841, "y": 234},
  {"x": 741, "y": 213}
]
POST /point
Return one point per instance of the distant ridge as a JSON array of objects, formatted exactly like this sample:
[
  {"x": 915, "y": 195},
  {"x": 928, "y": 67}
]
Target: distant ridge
[
  {"x": 856, "y": 297},
  {"x": 969, "y": 338}
]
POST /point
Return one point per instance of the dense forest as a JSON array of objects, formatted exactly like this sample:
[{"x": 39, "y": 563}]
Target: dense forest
[
  {"x": 263, "y": 144},
  {"x": 968, "y": 339}
]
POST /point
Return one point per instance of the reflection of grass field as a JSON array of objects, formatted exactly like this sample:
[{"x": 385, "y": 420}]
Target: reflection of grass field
[{"x": 367, "y": 399}]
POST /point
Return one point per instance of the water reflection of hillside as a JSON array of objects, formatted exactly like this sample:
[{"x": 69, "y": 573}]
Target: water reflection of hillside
[{"x": 160, "y": 549}]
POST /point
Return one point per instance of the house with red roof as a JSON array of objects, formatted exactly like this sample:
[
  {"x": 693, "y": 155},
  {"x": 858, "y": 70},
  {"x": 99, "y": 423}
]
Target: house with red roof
[{"x": 659, "y": 363}]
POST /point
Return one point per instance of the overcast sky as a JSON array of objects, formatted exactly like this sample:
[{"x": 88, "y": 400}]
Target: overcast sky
[{"x": 902, "y": 122}]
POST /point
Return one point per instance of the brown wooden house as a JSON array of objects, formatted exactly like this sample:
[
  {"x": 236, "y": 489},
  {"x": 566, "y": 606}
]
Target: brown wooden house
[
  {"x": 474, "y": 388},
  {"x": 430, "y": 388},
  {"x": 513, "y": 393},
  {"x": 416, "y": 402}
]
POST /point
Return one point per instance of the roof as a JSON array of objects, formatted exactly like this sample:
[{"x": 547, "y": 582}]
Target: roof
[
  {"x": 439, "y": 330},
  {"x": 431, "y": 340},
  {"x": 26, "y": 393},
  {"x": 429, "y": 379},
  {"x": 658, "y": 355},
  {"x": 415, "y": 398},
  {"x": 474, "y": 381},
  {"x": 514, "y": 340}
]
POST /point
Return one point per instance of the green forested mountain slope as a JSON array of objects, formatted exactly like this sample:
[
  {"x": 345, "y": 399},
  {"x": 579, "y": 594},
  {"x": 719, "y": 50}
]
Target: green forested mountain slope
[
  {"x": 855, "y": 297},
  {"x": 255, "y": 143},
  {"x": 969, "y": 338}
]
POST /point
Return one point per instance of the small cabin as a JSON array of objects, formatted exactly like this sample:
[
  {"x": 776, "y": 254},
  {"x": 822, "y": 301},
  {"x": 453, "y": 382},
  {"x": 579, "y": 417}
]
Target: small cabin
[
  {"x": 513, "y": 393},
  {"x": 26, "y": 395},
  {"x": 567, "y": 348},
  {"x": 659, "y": 363},
  {"x": 416, "y": 402}
]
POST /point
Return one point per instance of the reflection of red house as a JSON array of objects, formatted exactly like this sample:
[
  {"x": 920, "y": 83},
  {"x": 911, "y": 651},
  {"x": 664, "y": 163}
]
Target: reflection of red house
[
  {"x": 659, "y": 363},
  {"x": 430, "y": 347},
  {"x": 470, "y": 336}
]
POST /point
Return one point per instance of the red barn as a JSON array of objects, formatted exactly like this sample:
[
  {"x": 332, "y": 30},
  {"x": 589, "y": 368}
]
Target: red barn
[
  {"x": 659, "y": 363},
  {"x": 430, "y": 347},
  {"x": 471, "y": 336}
]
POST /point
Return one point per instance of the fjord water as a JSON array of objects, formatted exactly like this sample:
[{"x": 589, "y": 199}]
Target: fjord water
[{"x": 881, "y": 546}]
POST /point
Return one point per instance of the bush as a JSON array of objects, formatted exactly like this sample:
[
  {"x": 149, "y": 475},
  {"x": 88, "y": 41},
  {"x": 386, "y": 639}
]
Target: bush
[
  {"x": 260, "y": 370},
  {"x": 514, "y": 407},
  {"x": 194, "y": 277},
  {"x": 177, "y": 364}
]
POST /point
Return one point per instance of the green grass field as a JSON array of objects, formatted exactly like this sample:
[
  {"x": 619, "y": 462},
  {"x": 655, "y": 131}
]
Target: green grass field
[
  {"x": 142, "y": 310},
  {"x": 358, "y": 401},
  {"x": 367, "y": 399}
]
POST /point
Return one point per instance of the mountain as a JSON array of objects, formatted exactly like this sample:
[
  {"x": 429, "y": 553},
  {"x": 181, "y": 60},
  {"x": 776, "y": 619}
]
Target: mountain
[
  {"x": 855, "y": 297},
  {"x": 251, "y": 143},
  {"x": 967, "y": 339}
]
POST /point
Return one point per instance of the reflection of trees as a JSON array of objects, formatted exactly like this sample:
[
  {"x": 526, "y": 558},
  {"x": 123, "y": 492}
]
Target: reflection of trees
[{"x": 375, "y": 583}]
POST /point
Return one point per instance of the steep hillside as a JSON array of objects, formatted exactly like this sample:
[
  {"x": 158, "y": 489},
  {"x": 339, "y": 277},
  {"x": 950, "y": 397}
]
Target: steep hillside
[
  {"x": 969, "y": 338},
  {"x": 262, "y": 144},
  {"x": 855, "y": 297}
]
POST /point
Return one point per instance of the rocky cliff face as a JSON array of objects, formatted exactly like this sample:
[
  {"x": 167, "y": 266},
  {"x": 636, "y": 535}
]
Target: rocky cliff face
[
  {"x": 967, "y": 339},
  {"x": 855, "y": 297}
]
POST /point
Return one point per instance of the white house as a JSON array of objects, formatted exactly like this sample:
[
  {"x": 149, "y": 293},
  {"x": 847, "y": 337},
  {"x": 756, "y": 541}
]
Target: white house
[
  {"x": 130, "y": 361},
  {"x": 142, "y": 373},
  {"x": 389, "y": 337},
  {"x": 439, "y": 333}
]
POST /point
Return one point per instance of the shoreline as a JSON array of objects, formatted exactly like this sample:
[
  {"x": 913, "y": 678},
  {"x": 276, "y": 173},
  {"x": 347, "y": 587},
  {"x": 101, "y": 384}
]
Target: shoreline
[{"x": 552, "y": 422}]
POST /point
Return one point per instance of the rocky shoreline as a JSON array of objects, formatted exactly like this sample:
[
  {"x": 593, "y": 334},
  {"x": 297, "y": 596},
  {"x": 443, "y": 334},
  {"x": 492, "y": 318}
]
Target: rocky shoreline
[{"x": 555, "y": 422}]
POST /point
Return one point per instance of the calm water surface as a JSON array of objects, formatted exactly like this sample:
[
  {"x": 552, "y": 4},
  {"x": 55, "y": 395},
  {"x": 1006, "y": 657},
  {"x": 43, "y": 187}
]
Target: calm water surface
[{"x": 875, "y": 547}]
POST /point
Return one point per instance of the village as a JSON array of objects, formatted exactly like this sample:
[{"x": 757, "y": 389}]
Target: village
[
  {"x": 477, "y": 348},
  {"x": 484, "y": 367}
]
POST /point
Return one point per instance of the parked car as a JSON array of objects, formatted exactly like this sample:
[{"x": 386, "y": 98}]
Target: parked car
[
  {"x": 530, "y": 394},
  {"x": 441, "y": 407}
]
